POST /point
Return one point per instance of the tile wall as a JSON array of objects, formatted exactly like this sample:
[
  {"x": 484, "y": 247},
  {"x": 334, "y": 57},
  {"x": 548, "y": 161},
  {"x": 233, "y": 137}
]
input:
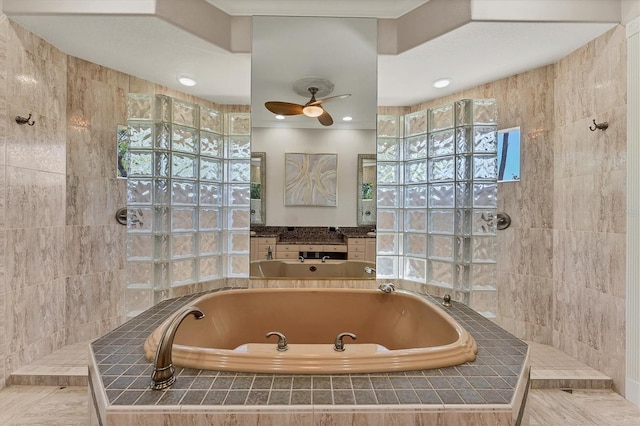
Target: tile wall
[
  {"x": 62, "y": 255},
  {"x": 33, "y": 80},
  {"x": 565, "y": 248},
  {"x": 589, "y": 205}
]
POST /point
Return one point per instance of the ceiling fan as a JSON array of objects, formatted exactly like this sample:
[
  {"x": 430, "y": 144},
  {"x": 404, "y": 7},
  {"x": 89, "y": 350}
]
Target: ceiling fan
[{"x": 313, "y": 108}]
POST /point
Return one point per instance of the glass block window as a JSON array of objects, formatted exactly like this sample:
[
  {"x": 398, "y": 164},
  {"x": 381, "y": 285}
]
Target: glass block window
[
  {"x": 187, "y": 197},
  {"x": 437, "y": 199}
]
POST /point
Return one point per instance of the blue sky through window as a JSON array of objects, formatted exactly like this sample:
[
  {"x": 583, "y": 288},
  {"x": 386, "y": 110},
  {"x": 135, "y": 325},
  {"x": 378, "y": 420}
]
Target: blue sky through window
[{"x": 510, "y": 171}]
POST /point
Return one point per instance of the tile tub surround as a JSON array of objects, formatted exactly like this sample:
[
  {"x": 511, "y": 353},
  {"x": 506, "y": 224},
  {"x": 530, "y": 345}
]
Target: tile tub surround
[{"x": 489, "y": 390}]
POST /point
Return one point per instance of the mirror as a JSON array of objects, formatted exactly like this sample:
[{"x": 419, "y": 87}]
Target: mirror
[
  {"x": 366, "y": 190},
  {"x": 287, "y": 56},
  {"x": 258, "y": 188}
]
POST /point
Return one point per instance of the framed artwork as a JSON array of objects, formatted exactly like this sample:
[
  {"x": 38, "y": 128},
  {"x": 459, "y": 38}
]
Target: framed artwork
[{"x": 310, "y": 180}]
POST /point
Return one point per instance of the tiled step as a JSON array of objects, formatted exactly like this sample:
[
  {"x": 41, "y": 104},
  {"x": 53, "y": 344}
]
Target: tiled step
[
  {"x": 550, "y": 369},
  {"x": 64, "y": 367},
  {"x": 553, "y": 369}
]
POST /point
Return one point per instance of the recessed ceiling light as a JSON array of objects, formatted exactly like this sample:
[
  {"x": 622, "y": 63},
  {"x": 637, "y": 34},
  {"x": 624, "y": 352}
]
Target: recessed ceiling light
[
  {"x": 279, "y": 117},
  {"x": 186, "y": 81},
  {"x": 441, "y": 82},
  {"x": 347, "y": 118}
]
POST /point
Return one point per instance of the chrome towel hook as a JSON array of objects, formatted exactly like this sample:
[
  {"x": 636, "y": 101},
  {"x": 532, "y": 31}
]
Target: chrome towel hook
[
  {"x": 22, "y": 120},
  {"x": 602, "y": 126}
]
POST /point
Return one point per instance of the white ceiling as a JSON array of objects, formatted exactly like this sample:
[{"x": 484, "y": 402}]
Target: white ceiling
[{"x": 479, "y": 51}]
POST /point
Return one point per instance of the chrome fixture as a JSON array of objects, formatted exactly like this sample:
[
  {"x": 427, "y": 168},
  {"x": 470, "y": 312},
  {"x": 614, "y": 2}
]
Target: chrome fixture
[
  {"x": 446, "y": 300},
  {"x": 602, "y": 126},
  {"x": 25, "y": 120},
  {"x": 121, "y": 215},
  {"x": 301, "y": 259},
  {"x": 324, "y": 258},
  {"x": 269, "y": 253},
  {"x": 338, "y": 346},
  {"x": 503, "y": 222},
  {"x": 163, "y": 372},
  {"x": 387, "y": 288},
  {"x": 369, "y": 270},
  {"x": 282, "y": 340}
]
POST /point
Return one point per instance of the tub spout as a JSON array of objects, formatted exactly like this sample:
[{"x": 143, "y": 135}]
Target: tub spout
[
  {"x": 282, "y": 340},
  {"x": 387, "y": 287},
  {"x": 301, "y": 259},
  {"x": 338, "y": 346},
  {"x": 163, "y": 371},
  {"x": 324, "y": 258},
  {"x": 369, "y": 270}
]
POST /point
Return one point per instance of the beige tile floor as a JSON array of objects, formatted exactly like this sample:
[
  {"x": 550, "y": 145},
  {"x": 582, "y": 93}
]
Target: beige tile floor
[{"x": 68, "y": 405}]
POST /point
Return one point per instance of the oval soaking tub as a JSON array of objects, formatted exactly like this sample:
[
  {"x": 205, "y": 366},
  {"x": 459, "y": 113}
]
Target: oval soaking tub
[
  {"x": 283, "y": 269},
  {"x": 398, "y": 331}
]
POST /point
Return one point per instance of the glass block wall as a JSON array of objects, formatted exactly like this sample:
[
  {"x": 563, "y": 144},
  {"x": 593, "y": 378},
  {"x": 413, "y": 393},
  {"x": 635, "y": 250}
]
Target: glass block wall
[
  {"x": 437, "y": 200},
  {"x": 187, "y": 197}
]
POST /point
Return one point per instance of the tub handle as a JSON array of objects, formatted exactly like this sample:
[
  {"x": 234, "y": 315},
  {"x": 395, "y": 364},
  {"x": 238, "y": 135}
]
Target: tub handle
[
  {"x": 282, "y": 340},
  {"x": 338, "y": 346}
]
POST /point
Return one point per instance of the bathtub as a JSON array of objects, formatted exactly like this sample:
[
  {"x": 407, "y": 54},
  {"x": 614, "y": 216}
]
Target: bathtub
[
  {"x": 311, "y": 269},
  {"x": 398, "y": 331}
]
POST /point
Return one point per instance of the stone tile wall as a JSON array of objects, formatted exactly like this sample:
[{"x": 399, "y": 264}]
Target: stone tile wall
[
  {"x": 62, "y": 254},
  {"x": 589, "y": 205},
  {"x": 33, "y": 81},
  {"x": 561, "y": 264}
]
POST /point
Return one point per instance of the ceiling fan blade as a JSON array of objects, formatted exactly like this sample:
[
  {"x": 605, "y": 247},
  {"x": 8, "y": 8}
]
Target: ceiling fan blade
[
  {"x": 330, "y": 98},
  {"x": 283, "y": 108},
  {"x": 325, "y": 119}
]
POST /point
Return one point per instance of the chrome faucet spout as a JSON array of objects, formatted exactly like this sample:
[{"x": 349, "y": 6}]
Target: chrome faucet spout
[
  {"x": 282, "y": 340},
  {"x": 163, "y": 371},
  {"x": 369, "y": 270},
  {"x": 338, "y": 345},
  {"x": 324, "y": 258},
  {"x": 301, "y": 259}
]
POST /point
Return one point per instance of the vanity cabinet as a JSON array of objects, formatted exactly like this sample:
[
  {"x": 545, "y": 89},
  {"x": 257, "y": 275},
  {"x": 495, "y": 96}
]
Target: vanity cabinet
[
  {"x": 287, "y": 251},
  {"x": 361, "y": 249},
  {"x": 260, "y": 247}
]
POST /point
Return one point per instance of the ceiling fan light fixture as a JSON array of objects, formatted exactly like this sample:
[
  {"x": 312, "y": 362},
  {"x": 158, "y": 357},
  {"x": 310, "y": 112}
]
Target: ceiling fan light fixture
[
  {"x": 441, "y": 83},
  {"x": 312, "y": 111},
  {"x": 347, "y": 118},
  {"x": 186, "y": 81},
  {"x": 279, "y": 117}
]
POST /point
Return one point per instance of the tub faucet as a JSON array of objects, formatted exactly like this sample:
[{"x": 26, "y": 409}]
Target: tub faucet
[
  {"x": 338, "y": 346},
  {"x": 163, "y": 371},
  {"x": 282, "y": 340},
  {"x": 387, "y": 287},
  {"x": 369, "y": 270},
  {"x": 301, "y": 259},
  {"x": 324, "y": 258},
  {"x": 269, "y": 253}
]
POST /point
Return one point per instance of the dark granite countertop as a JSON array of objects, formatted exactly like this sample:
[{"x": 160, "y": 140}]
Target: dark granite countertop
[{"x": 311, "y": 234}]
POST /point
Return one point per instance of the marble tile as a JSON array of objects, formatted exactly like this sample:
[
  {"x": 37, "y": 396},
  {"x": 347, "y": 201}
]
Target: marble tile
[
  {"x": 43, "y": 247},
  {"x": 49, "y": 405},
  {"x": 93, "y": 297},
  {"x": 34, "y": 198},
  {"x": 94, "y": 201},
  {"x": 38, "y": 147},
  {"x": 91, "y": 249},
  {"x": 34, "y": 313},
  {"x": 581, "y": 407}
]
